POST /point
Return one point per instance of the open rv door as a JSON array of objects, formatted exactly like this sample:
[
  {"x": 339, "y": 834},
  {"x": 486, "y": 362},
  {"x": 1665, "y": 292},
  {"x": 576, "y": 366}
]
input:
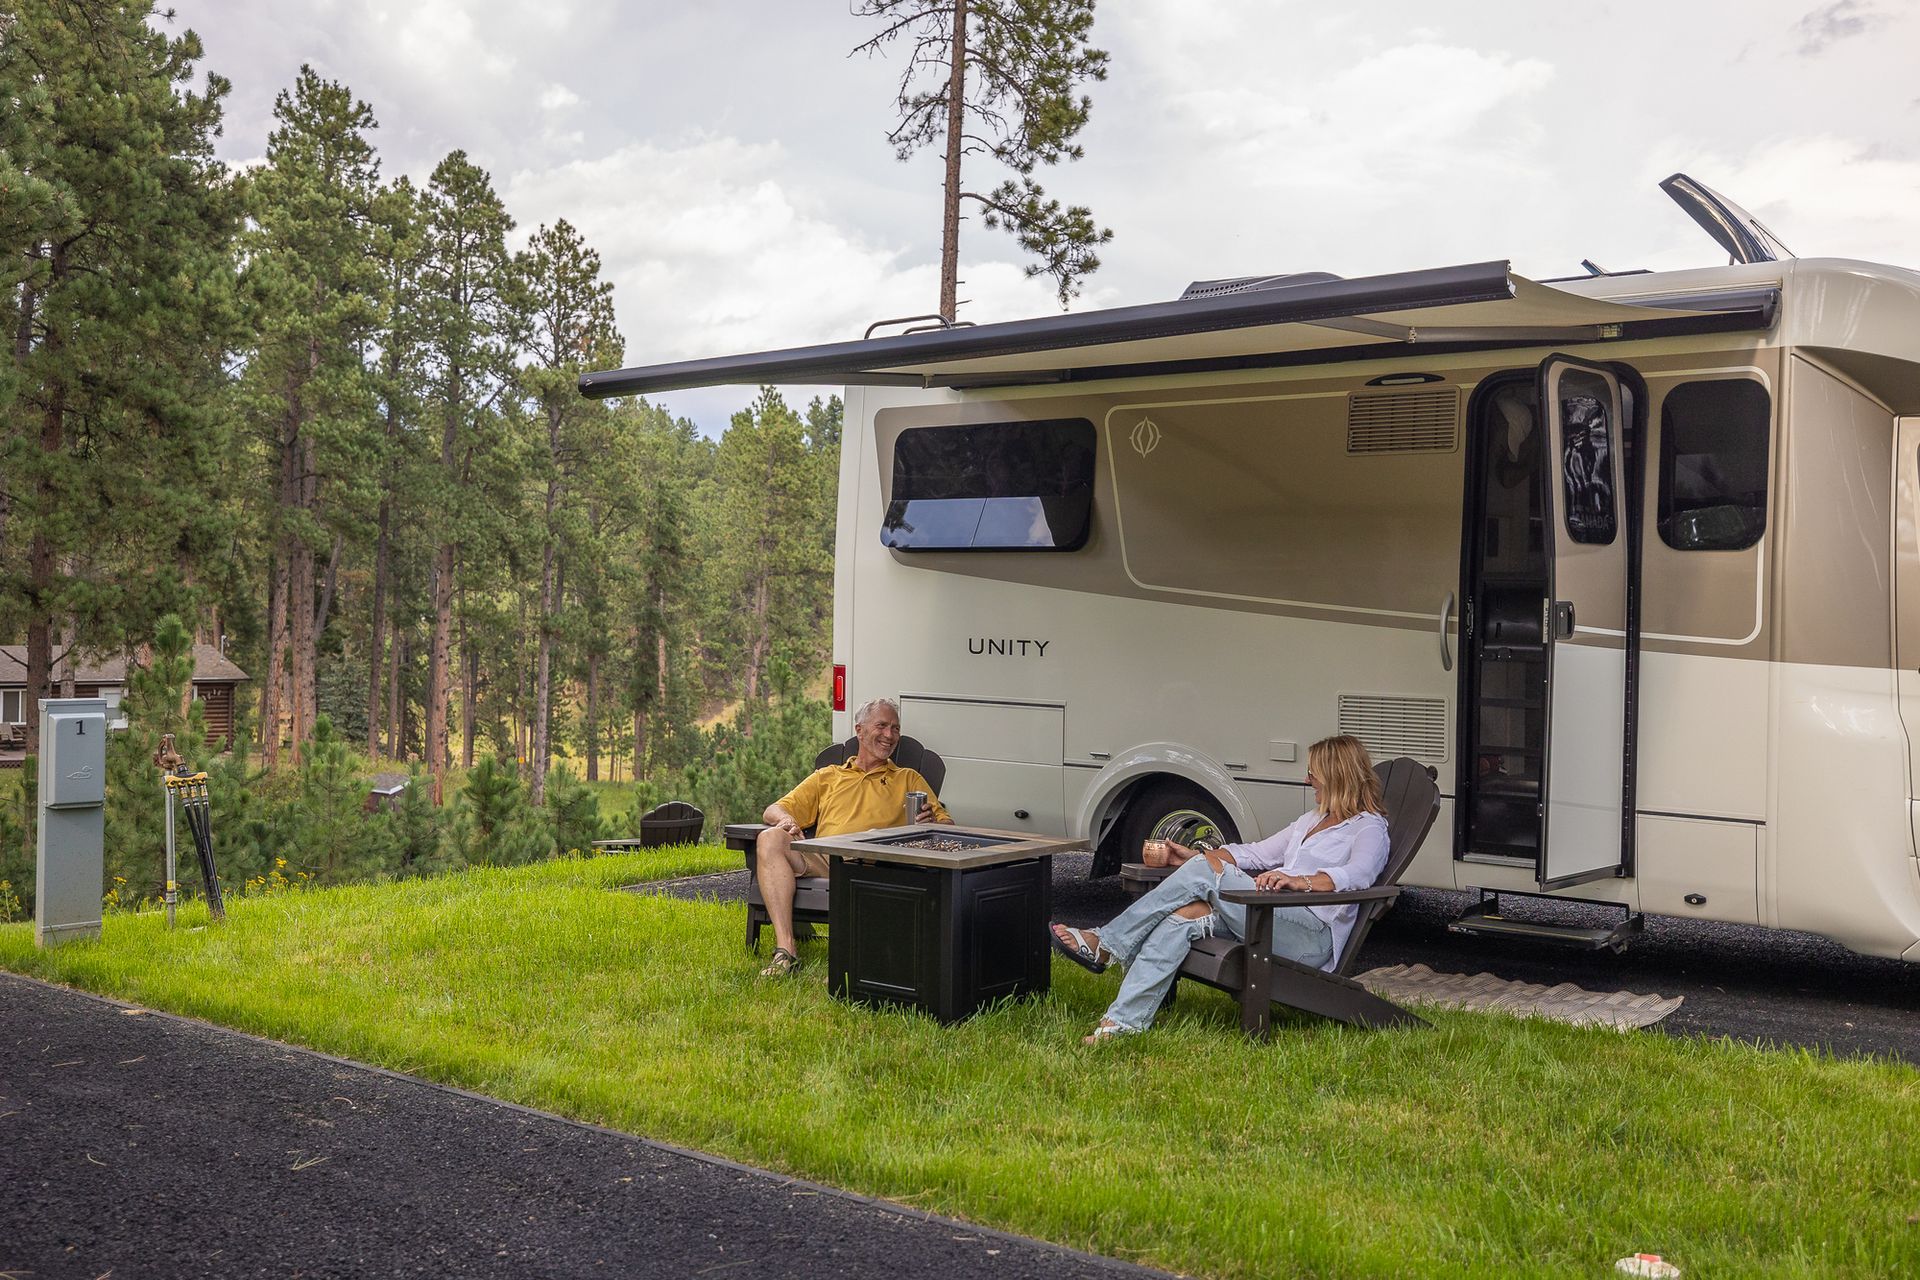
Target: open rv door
[{"x": 1585, "y": 818}]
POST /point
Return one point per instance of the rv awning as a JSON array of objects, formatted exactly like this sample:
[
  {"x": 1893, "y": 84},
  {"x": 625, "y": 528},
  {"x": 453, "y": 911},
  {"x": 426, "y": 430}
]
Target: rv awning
[{"x": 1449, "y": 308}]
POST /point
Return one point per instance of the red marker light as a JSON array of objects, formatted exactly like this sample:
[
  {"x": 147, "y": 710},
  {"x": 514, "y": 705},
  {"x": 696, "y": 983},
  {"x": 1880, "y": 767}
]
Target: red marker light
[{"x": 839, "y": 686}]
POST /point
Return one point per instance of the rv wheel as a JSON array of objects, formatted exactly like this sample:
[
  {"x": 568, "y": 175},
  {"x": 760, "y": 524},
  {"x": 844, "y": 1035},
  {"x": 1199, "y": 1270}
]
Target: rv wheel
[{"x": 1175, "y": 811}]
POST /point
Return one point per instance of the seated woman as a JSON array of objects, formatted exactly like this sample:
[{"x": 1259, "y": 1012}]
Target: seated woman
[{"x": 1339, "y": 844}]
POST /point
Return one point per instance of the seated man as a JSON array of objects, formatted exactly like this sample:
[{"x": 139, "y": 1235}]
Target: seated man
[{"x": 868, "y": 791}]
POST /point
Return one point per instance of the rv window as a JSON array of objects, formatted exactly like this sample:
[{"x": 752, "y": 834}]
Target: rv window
[
  {"x": 1024, "y": 486},
  {"x": 1713, "y": 465},
  {"x": 1587, "y": 467}
]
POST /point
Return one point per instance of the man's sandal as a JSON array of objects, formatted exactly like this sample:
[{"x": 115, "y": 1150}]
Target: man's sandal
[
  {"x": 784, "y": 963},
  {"x": 1072, "y": 943}
]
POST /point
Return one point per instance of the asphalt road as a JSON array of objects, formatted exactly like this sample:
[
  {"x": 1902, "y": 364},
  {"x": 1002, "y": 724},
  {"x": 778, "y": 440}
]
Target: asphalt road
[{"x": 141, "y": 1145}]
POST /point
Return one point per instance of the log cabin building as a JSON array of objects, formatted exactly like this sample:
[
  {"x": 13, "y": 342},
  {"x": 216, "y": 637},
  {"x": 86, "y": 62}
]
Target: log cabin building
[{"x": 215, "y": 678}]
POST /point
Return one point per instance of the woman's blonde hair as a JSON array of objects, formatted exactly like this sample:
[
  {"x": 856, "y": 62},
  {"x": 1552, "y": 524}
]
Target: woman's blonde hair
[{"x": 1348, "y": 784}]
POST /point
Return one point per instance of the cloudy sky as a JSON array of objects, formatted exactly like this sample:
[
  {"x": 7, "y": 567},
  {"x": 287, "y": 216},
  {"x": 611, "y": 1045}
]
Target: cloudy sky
[{"x": 729, "y": 161}]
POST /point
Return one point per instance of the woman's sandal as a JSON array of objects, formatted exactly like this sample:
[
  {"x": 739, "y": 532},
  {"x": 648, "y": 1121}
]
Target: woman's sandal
[
  {"x": 1106, "y": 1031},
  {"x": 1072, "y": 943},
  {"x": 784, "y": 962}
]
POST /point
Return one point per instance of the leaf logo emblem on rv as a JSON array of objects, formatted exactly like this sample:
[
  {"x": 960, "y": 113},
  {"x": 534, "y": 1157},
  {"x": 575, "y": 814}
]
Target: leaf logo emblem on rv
[{"x": 1145, "y": 437}]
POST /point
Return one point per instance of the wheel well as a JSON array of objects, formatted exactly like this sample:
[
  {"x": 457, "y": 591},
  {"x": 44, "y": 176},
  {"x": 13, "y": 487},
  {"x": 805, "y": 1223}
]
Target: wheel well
[{"x": 1111, "y": 820}]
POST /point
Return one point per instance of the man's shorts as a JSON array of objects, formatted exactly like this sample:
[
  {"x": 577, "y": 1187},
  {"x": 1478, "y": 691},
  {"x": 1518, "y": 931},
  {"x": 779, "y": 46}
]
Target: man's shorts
[{"x": 812, "y": 864}]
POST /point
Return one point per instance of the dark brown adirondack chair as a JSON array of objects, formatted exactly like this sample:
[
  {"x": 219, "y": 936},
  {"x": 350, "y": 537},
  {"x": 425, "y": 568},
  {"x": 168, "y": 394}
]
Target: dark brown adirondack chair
[
  {"x": 1260, "y": 979},
  {"x": 675, "y": 822},
  {"x": 810, "y": 892}
]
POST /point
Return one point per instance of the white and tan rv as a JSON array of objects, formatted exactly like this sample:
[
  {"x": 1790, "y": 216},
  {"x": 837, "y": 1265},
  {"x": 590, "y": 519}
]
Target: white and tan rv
[{"x": 1633, "y": 560}]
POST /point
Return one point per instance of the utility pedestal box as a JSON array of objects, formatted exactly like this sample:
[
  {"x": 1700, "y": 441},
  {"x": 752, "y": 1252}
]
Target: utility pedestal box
[{"x": 69, "y": 861}]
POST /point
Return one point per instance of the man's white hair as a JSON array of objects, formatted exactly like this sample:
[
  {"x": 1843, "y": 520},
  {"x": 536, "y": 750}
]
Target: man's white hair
[{"x": 869, "y": 707}]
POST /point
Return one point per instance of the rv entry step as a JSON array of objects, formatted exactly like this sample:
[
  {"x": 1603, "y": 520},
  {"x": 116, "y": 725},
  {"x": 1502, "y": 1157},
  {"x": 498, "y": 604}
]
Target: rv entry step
[{"x": 1483, "y": 919}]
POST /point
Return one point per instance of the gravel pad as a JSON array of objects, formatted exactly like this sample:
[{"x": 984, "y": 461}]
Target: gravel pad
[{"x": 147, "y": 1145}]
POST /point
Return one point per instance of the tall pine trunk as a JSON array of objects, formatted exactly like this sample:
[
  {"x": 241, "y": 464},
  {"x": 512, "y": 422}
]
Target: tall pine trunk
[
  {"x": 273, "y": 697},
  {"x": 440, "y": 669},
  {"x": 640, "y": 739},
  {"x": 440, "y": 655},
  {"x": 593, "y": 716},
  {"x": 469, "y": 695},
  {"x": 396, "y": 725},
  {"x": 300, "y": 613},
  {"x": 950, "y": 211},
  {"x": 40, "y": 575},
  {"x": 469, "y": 686},
  {"x": 543, "y": 657},
  {"x": 377, "y": 634}
]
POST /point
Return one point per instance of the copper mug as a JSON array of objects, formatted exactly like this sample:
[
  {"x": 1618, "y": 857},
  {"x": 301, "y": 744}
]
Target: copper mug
[{"x": 1154, "y": 853}]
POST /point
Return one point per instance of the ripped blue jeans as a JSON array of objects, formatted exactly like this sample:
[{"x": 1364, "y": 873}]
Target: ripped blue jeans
[{"x": 1151, "y": 941}]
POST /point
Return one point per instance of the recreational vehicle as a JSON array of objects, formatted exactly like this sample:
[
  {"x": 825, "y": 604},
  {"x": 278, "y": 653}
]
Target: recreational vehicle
[{"x": 1632, "y": 559}]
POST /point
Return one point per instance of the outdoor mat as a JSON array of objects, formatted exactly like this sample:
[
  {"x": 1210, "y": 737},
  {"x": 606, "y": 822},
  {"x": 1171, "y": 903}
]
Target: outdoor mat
[{"x": 1417, "y": 984}]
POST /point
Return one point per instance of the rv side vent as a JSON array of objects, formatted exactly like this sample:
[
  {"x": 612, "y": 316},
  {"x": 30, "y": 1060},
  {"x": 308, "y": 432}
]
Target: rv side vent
[
  {"x": 1392, "y": 725},
  {"x": 1404, "y": 421}
]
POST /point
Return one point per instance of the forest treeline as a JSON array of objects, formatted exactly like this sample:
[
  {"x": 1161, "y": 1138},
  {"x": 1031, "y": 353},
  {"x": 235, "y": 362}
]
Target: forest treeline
[{"x": 328, "y": 417}]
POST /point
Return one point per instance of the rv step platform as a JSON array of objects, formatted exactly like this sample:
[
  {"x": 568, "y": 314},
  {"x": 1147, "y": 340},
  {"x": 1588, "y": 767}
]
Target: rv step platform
[{"x": 1483, "y": 919}]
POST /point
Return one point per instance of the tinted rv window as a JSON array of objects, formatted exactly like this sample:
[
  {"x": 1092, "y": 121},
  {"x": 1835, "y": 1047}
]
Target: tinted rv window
[
  {"x": 1025, "y": 486},
  {"x": 1587, "y": 468},
  {"x": 1713, "y": 465}
]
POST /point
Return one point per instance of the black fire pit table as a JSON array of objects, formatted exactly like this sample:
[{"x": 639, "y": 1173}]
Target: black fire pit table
[{"x": 942, "y": 918}]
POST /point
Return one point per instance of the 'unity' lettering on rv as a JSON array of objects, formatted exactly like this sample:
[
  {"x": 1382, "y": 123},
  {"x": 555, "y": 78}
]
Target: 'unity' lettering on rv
[{"x": 980, "y": 644}]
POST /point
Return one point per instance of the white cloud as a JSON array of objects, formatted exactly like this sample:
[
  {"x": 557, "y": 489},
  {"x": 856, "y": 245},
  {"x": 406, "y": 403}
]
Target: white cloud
[
  {"x": 557, "y": 97},
  {"x": 713, "y": 250}
]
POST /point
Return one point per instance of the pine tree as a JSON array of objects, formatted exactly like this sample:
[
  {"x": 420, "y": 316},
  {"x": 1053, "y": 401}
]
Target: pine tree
[
  {"x": 312, "y": 275},
  {"x": 115, "y": 226},
  {"x": 571, "y": 329},
  {"x": 771, "y": 557},
  {"x": 656, "y": 467},
  {"x": 398, "y": 254},
  {"x": 467, "y": 323},
  {"x": 999, "y": 78}
]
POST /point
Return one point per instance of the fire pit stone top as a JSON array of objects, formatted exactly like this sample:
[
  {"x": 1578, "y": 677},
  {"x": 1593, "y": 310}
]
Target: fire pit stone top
[{"x": 930, "y": 844}]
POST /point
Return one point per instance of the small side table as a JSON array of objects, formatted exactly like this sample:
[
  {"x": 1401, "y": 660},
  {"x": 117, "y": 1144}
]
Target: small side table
[{"x": 1137, "y": 878}]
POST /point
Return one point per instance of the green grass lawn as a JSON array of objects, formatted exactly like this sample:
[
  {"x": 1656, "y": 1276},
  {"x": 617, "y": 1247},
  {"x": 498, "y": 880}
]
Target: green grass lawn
[{"x": 1483, "y": 1146}]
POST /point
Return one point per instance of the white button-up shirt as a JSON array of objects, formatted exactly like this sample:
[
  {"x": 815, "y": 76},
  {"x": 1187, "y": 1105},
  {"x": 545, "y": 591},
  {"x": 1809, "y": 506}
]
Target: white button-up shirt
[{"x": 1352, "y": 853}]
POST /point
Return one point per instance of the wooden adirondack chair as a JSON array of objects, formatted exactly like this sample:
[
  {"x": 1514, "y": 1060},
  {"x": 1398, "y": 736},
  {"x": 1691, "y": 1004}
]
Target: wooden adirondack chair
[
  {"x": 810, "y": 892},
  {"x": 1260, "y": 979}
]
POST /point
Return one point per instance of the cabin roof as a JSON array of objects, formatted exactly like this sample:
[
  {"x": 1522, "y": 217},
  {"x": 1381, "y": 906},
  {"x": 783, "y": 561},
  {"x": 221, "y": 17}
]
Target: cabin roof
[
  {"x": 210, "y": 666},
  {"x": 1268, "y": 322}
]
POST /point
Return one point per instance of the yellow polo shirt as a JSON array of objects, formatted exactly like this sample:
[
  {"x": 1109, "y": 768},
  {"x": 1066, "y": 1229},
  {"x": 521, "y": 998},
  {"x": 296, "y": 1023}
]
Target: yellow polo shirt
[{"x": 842, "y": 798}]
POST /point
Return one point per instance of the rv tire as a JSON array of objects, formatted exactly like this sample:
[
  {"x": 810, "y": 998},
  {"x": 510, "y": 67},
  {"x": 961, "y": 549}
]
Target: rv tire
[{"x": 1170, "y": 810}]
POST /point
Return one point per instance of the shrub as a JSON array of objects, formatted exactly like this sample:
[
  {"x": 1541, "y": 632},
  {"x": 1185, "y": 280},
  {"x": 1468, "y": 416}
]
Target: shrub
[
  {"x": 495, "y": 825},
  {"x": 574, "y": 812}
]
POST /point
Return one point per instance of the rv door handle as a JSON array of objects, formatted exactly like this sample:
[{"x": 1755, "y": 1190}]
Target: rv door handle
[
  {"x": 1446, "y": 612},
  {"x": 1562, "y": 619}
]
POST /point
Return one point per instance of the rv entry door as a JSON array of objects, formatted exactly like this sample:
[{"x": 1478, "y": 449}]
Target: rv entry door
[{"x": 1584, "y": 816}]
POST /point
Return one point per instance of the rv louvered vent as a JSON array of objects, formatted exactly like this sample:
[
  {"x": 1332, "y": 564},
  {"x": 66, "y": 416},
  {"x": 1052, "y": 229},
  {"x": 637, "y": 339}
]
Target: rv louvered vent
[
  {"x": 1396, "y": 726},
  {"x": 1403, "y": 421}
]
